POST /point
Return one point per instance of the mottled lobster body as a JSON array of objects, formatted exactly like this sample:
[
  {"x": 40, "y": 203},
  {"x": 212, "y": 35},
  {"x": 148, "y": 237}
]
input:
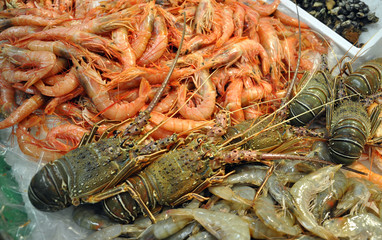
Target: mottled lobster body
[
  {"x": 79, "y": 173},
  {"x": 164, "y": 181}
]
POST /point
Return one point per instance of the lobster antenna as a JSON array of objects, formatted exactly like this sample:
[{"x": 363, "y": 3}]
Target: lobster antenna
[{"x": 158, "y": 95}]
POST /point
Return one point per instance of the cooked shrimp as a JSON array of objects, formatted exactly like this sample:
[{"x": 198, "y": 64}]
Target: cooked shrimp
[
  {"x": 288, "y": 20},
  {"x": 220, "y": 224},
  {"x": 230, "y": 53},
  {"x": 17, "y": 32},
  {"x": 62, "y": 84},
  {"x": 28, "y": 20},
  {"x": 258, "y": 229},
  {"x": 41, "y": 62},
  {"x": 90, "y": 41},
  {"x": 42, "y": 12},
  {"x": 176, "y": 125},
  {"x": 255, "y": 92},
  {"x": 238, "y": 19},
  {"x": 120, "y": 37},
  {"x": 91, "y": 81},
  {"x": 23, "y": 111},
  {"x": 228, "y": 26},
  {"x": 7, "y": 98},
  {"x": 31, "y": 146},
  {"x": 270, "y": 41},
  {"x": 167, "y": 103},
  {"x": 158, "y": 43},
  {"x": 221, "y": 77},
  {"x": 204, "y": 16},
  {"x": 50, "y": 107},
  {"x": 304, "y": 191},
  {"x": 65, "y": 50},
  {"x": 261, "y": 7},
  {"x": 143, "y": 33},
  {"x": 233, "y": 99},
  {"x": 204, "y": 109},
  {"x": 71, "y": 133}
]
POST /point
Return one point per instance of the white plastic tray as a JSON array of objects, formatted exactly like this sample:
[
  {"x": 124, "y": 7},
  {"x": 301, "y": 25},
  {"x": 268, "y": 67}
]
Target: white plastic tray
[{"x": 372, "y": 38}]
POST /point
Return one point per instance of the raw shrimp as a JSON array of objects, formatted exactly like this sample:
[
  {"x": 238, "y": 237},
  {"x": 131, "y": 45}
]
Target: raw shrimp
[
  {"x": 361, "y": 226},
  {"x": 255, "y": 92},
  {"x": 327, "y": 199},
  {"x": 304, "y": 191},
  {"x": 207, "y": 91},
  {"x": 259, "y": 230},
  {"x": 354, "y": 200},
  {"x": 71, "y": 133},
  {"x": 41, "y": 62},
  {"x": 233, "y": 99},
  {"x": 226, "y": 193},
  {"x": 265, "y": 209},
  {"x": 63, "y": 84},
  {"x": 143, "y": 33},
  {"x": 230, "y": 53},
  {"x": 120, "y": 38},
  {"x": 17, "y": 32},
  {"x": 91, "y": 81},
  {"x": 163, "y": 229},
  {"x": 220, "y": 224},
  {"x": 23, "y": 111},
  {"x": 228, "y": 26},
  {"x": 158, "y": 44},
  {"x": 176, "y": 125}
]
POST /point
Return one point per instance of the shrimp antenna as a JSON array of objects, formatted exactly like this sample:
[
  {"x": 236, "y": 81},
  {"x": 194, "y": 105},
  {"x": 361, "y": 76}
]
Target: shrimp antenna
[{"x": 146, "y": 114}]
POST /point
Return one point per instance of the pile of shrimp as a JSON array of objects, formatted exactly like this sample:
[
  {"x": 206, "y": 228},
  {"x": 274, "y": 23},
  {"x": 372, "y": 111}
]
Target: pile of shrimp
[
  {"x": 299, "y": 200},
  {"x": 75, "y": 63}
]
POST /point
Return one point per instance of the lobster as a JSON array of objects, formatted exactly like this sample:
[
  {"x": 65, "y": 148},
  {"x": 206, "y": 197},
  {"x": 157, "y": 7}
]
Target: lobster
[
  {"x": 366, "y": 80},
  {"x": 86, "y": 172}
]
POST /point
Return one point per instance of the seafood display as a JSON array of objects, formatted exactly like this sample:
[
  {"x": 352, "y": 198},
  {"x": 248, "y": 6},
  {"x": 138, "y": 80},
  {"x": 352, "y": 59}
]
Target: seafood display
[{"x": 189, "y": 120}]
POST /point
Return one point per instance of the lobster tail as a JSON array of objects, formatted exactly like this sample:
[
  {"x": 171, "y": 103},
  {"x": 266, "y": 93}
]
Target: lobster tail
[{"x": 48, "y": 191}]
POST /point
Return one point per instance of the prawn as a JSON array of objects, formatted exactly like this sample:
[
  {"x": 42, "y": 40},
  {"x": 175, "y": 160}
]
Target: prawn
[
  {"x": 262, "y": 8},
  {"x": 60, "y": 84},
  {"x": 158, "y": 44},
  {"x": 304, "y": 190},
  {"x": 288, "y": 20},
  {"x": 220, "y": 224},
  {"x": 91, "y": 82},
  {"x": 175, "y": 124},
  {"x": 28, "y": 20},
  {"x": 68, "y": 132},
  {"x": 271, "y": 43},
  {"x": 42, "y": 61},
  {"x": 230, "y": 53},
  {"x": 7, "y": 98},
  {"x": 238, "y": 19},
  {"x": 207, "y": 91},
  {"x": 31, "y": 146},
  {"x": 17, "y": 32},
  {"x": 120, "y": 37},
  {"x": 144, "y": 32},
  {"x": 255, "y": 92},
  {"x": 228, "y": 26},
  {"x": 233, "y": 99},
  {"x": 23, "y": 111}
]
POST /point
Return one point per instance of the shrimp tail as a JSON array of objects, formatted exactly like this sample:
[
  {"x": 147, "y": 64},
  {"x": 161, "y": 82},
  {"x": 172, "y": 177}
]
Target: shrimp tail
[{"x": 144, "y": 88}]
